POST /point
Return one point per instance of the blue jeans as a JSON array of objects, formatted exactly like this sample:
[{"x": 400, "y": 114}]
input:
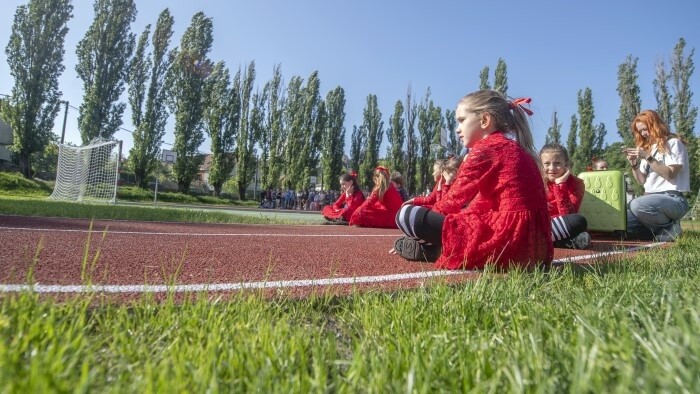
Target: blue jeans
[{"x": 649, "y": 214}]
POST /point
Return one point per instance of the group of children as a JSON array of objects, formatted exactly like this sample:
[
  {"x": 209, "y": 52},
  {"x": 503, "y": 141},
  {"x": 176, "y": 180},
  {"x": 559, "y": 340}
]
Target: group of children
[{"x": 503, "y": 204}]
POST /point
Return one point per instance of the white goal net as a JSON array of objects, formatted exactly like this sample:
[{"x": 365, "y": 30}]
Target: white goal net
[{"x": 88, "y": 173}]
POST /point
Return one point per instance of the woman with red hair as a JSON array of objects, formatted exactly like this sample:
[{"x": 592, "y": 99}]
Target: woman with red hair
[
  {"x": 350, "y": 199},
  {"x": 660, "y": 163},
  {"x": 380, "y": 209}
]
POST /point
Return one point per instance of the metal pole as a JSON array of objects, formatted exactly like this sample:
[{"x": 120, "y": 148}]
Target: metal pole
[
  {"x": 116, "y": 179},
  {"x": 155, "y": 194},
  {"x": 65, "y": 117}
]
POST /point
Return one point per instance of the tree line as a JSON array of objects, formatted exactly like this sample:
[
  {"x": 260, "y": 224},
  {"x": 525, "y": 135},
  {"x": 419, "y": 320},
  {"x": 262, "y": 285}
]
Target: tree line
[{"x": 288, "y": 131}]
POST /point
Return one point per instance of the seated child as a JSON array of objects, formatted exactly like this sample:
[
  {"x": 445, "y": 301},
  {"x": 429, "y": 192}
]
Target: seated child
[
  {"x": 564, "y": 195},
  {"x": 350, "y": 199},
  {"x": 397, "y": 182},
  {"x": 444, "y": 172},
  {"x": 379, "y": 210}
]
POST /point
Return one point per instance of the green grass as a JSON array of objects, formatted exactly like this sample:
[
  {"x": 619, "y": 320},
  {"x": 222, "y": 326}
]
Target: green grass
[
  {"x": 14, "y": 184},
  {"x": 10, "y": 205},
  {"x": 625, "y": 327}
]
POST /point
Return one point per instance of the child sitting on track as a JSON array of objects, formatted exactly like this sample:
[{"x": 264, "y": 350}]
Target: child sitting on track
[
  {"x": 350, "y": 199},
  {"x": 380, "y": 209},
  {"x": 444, "y": 172},
  {"x": 510, "y": 224}
]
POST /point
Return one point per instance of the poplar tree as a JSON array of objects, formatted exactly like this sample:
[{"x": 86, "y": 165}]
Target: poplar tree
[
  {"x": 246, "y": 136},
  {"x": 684, "y": 114},
  {"x": 571, "y": 139},
  {"x": 396, "y": 136},
  {"x": 587, "y": 133},
  {"x": 554, "y": 131},
  {"x": 484, "y": 78},
  {"x": 664, "y": 105},
  {"x": 221, "y": 117},
  {"x": 148, "y": 106},
  {"x": 630, "y": 102},
  {"x": 453, "y": 145},
  {"x": 411, "y": 143},
  {"x": 272, "y": 139},
  {"x": 185, "y": 83},
  {"x": 35, "y": 58},
  {"x": 500, "y": 83},
  {"x": 373, "y": 127},
  {"x": 103, "y": 66},
  {"x": 357, "y": 142},
  {"x": 428, "y": 126},
  {"x": 333, "y": 140}
]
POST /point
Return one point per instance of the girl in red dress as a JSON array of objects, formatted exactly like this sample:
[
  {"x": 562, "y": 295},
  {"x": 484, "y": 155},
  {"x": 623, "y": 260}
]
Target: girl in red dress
[
  {"x": 444, "y": 172},
  {"x": 380, "y": 209},
  {"x": 350, "y": 199},
  {"x": 509, "y": 226},
  {"x": 564, "y": 195}
]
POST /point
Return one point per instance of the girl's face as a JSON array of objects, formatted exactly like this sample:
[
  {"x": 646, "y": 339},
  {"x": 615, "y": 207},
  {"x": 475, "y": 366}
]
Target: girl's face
[
  {"x": 554, "y": 164},
  {"x": 345, "y": 185},
  {"x": 642, "y": 129},
  {"x": 469, "y": 128}
]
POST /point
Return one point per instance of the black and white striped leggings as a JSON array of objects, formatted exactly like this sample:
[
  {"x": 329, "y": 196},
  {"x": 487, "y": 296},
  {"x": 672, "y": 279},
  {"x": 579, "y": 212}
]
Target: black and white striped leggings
[
  {"x": 421, "y": 224},
  {"x": 425, "y": 225}
]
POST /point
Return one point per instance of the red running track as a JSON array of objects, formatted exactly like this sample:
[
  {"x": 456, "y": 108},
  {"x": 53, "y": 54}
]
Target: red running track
[{"x": 133, "y": 257}]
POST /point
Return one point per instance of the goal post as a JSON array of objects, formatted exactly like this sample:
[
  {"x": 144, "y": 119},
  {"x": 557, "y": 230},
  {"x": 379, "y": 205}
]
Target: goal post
[{"x": 88, "y": 173}]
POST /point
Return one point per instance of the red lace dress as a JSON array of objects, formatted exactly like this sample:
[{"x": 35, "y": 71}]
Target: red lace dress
[
  {"x": 565, "y": 198},
  {"x": 510, "y": 224},
  {"x": 378, "y": 213},
  {"x": 344, "y": 206},
  {"x": 439, "y": 190}
]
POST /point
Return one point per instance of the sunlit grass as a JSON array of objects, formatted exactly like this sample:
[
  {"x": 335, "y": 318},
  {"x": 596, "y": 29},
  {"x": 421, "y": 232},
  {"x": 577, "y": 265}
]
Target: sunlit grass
[
  {"x": 631, "y": 326},
  {"x": 49, "y": 208}
]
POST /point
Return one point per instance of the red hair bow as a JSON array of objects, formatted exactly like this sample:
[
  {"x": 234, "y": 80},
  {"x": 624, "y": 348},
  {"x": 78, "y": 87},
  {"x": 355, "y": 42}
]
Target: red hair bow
[
  {"x": 353, "y": 174},
  {"x": 381, "y": 168},
  {"x": 518, "y": 102}
]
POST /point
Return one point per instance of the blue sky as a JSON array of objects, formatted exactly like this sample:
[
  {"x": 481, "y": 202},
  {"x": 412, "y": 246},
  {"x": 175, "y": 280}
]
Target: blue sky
[{"x": 552, "y": 49}]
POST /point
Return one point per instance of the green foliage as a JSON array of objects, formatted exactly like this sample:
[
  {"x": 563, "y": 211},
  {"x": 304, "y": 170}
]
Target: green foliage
[
  {"x": 584, "y": 151},
  {"x": 484, "y": 78},
  {"x": 684, "y": 114},
  {"x": 221, "y": 121},
  {"x": 500, "y": 83},
  {"x": 662, "y": 93},
  {"x": 248, "y": 130},
  {"x": 373, "y": 128},
  {"x": 429, "y": 122},
  {"x": 35, "y": 58},
  {"x": 333, "y": 139},
  {"x": 185, "y": 82},
  {"x": 16, "y": 185},
  {"x": 357, "y": 147},
  {"x": 411, "y": 144},
  {"x": 103, "y": 66},
  {"x": 148, "y": 106},
  {"x": 454, "y": 146},
  {"x": 554, "y": 131},
  {"x": 630, "y": 102},
  {"x": 396, "y": 134},
  {"x": 273, "y": 136},
  {"x": 571, "y": 139}
]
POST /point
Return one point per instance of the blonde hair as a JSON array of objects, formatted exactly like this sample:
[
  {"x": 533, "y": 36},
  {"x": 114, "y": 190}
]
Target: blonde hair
[
  {"x": 452, "y": 164},
  {"x": 381, "y": 182},
  {"x": 507, "y": 117}
]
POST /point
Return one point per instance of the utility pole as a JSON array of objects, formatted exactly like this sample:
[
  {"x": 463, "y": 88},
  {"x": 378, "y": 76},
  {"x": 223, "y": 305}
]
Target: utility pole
[{"x": 65, "y": 117}]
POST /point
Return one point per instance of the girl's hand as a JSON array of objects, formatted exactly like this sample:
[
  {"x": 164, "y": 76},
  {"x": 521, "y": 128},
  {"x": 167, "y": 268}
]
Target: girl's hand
[
  {"x": 408, "y": 202},
  {"x": 349, "y": 191},
  {"x": 563, "y": 178},
  {"x": 449, "y": 177}
]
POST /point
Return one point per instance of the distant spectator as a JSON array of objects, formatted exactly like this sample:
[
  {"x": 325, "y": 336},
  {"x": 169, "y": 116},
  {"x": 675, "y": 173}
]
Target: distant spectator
[{"x": 397, "y": 181}]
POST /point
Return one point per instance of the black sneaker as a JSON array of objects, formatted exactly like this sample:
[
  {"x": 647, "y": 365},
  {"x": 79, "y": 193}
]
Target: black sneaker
[{"x": 412, "y": 250}]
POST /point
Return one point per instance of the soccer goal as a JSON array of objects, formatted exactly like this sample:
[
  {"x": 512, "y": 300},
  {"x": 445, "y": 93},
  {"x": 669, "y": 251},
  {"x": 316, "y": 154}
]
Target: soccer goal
[{"x": 88, "y": 173}]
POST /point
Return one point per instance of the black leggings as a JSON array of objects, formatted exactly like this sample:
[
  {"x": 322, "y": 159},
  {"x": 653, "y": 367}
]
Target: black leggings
[{"x": 421, "y": 224}]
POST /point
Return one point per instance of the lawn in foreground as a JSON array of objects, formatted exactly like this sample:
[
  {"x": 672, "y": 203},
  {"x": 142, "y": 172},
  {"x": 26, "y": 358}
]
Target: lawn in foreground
[{"x": 629, "y": 326}]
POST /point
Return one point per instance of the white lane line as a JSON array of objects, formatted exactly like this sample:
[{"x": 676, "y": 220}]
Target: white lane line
[
  {"x": 605, "y": 254},
  {"x": 94, "y": 230},
  {"x": 39, "y": 288}
]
